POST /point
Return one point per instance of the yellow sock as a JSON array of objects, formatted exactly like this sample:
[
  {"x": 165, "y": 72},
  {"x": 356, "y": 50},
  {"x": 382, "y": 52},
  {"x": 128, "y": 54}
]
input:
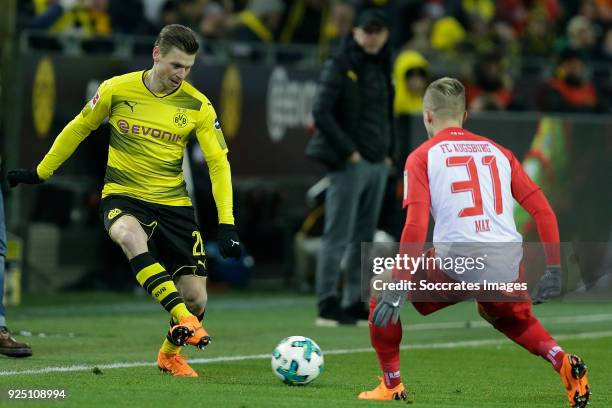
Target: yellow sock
[
  {"x": 158, "y": 283},
  {"x": 170, "y": 348},
  {"x": 179, "y": 311}
]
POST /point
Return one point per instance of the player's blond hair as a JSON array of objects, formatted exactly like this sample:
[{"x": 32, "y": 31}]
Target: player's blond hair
[
  {"x": 445, "y": 97},
  {"x": 178, "y": 36}
]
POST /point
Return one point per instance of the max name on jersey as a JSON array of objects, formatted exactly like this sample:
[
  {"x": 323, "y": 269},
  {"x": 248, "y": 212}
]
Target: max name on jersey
[
  {"x": 465, "y": 147},
  {"x": 155, "y": 133}
]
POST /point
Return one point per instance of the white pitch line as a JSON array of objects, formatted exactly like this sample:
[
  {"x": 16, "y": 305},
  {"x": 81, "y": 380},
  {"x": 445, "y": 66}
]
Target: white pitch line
[{"x": 221, "y": 359}]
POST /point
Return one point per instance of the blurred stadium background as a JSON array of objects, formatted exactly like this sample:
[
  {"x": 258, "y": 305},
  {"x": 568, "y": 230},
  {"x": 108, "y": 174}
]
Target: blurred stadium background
[{"x": 537, "y": 72}]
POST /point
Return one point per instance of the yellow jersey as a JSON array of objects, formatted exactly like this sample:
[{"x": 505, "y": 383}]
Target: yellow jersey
[{"x": 149, "y": 133}]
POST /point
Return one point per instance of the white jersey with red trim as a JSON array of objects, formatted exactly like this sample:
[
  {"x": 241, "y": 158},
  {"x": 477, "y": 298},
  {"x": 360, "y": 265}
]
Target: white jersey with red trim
[{"x": 469, "y": 182}]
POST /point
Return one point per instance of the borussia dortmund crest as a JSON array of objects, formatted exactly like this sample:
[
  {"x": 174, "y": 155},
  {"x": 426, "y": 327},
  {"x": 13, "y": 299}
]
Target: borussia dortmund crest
[
  {"x": 113, "y": 213},
  {"x": 180, "y": 119}
]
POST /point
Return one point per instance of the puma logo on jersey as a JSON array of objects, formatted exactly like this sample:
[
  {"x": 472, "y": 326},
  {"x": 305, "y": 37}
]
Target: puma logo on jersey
[
  {"x": 113, "y": 213},
  {"x": 130, "y": 104},
  {"x": 234, "y": 243}
]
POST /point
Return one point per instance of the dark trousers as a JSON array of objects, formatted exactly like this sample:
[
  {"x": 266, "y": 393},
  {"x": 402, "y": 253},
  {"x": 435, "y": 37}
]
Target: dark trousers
[{"x": 352, "y": 208}]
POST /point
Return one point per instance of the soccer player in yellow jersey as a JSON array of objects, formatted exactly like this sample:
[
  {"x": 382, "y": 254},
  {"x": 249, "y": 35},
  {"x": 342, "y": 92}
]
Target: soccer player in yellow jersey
[{"x": 145, "y": 206}]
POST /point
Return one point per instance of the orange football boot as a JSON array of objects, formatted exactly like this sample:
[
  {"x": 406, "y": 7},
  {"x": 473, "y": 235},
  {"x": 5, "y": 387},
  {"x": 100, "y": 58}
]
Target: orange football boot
[
  {"x": 574, "y": 376},
  {"x": 174, "y": 364},
  {"x": 189, "y": 331},
  {"x": 382, "y": 393}
]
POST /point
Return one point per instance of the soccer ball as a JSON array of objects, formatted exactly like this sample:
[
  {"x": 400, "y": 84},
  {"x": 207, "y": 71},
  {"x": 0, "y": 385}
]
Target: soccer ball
[{"x": 297, "y": 360}]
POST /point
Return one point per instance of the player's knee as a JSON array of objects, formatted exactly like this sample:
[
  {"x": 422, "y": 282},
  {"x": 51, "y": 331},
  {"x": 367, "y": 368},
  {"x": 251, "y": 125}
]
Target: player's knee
[
  {"x": 524, "y": 315},
  {"x": 128, "y": 238},
  {"x": 195, "y": 301}
]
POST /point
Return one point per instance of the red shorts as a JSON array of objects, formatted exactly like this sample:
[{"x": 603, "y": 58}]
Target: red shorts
[{"x": 491, "y": 305}]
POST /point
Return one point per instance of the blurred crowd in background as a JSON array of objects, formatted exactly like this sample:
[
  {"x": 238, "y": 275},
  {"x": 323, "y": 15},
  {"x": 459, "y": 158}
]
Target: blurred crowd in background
[{"x": 550, "y": 55}]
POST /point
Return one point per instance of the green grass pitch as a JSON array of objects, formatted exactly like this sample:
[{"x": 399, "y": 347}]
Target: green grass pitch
[{"x": 450, "y": 359}]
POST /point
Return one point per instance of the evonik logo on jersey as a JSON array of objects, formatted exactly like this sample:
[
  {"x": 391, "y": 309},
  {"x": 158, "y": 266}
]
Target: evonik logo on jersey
[{"x": 138, "y": 130}]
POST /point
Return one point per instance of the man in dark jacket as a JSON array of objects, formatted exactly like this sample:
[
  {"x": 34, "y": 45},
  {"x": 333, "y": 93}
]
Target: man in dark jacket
[{"x": 353, "y": 114}]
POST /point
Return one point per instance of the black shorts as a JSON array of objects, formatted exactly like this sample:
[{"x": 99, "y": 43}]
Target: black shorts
[{"x": 174, "y": 237}]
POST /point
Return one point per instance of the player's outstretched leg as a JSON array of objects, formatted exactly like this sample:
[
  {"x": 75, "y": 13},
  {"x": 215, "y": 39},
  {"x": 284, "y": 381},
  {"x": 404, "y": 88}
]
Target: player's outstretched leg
[
  {"x": 386, "y": 341},
  {"x": 518, "y": 323},
  {"x": 193, "y": 291},
  {"x": 128, "y": 233},
  {"x": 152, "y": 276}
]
